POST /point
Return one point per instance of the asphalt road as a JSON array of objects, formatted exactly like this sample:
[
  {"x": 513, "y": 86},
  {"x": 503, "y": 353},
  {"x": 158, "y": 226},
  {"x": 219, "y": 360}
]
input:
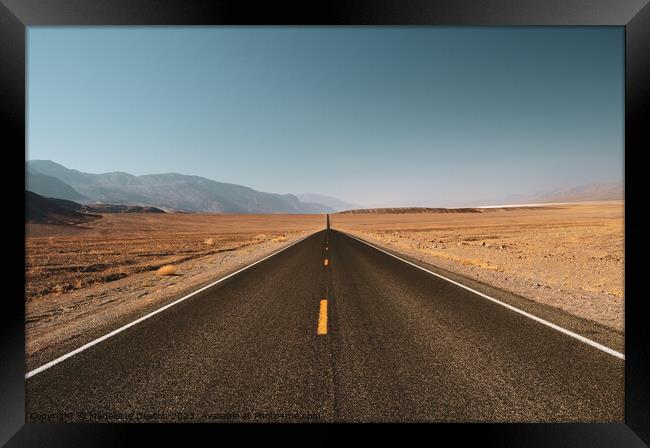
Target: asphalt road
[{"x": 391, "y": 343}]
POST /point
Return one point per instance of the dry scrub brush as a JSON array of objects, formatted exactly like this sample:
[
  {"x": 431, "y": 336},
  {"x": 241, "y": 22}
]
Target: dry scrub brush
[{"x": 168, "y": 269}]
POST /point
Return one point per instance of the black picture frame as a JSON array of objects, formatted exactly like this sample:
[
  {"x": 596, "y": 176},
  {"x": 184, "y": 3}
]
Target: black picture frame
[{"x": 634, "y": 15}]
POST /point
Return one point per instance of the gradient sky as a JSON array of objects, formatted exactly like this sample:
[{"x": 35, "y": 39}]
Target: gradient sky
[{"x": 378, "y": 116}]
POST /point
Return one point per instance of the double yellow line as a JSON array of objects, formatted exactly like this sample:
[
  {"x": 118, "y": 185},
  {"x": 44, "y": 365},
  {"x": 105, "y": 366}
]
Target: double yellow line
[{"x": 322, "y": 312}]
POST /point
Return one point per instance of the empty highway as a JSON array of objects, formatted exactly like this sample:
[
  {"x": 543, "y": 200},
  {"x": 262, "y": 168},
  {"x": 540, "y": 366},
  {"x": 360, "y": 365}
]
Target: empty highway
[{"x": 332, "y": 329}]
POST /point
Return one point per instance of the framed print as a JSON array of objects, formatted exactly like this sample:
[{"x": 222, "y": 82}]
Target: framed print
[{"x": 423, "y": 213}]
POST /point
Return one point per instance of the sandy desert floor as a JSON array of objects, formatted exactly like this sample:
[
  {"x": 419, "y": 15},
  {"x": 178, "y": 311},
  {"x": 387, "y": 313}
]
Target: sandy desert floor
[
  {"x": 567, "y": 256},
  {"x": 82, "y": 282}
]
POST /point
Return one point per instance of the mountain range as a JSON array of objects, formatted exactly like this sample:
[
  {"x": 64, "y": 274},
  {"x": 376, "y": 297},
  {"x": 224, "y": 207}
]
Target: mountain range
[
  {"x": 169, "y": 191},
  {"x": 333, "y": 203},
  {"x": 597, "y": 191},
  {"x": 173, "y": 192}
]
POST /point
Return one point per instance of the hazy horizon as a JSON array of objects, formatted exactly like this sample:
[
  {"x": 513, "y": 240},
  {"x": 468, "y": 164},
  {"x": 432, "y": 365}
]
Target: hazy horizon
[{"x": 381, "y": 116}]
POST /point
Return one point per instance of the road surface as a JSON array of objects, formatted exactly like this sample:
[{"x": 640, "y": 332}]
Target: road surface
[{"x": 332, "y": 329}]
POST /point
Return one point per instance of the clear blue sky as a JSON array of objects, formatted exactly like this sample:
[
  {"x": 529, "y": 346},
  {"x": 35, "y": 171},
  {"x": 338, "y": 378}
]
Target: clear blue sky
[{"x": 377, "y": 116}]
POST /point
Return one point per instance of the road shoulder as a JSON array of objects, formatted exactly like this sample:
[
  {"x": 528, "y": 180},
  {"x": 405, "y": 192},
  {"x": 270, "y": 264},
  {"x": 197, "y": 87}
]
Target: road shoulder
[{"x": 589, "y": 329}]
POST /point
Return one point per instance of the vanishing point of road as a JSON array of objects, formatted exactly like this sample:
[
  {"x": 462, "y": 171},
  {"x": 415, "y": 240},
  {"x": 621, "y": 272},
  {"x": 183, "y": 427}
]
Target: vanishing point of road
[{"x": 332, "y": 329}]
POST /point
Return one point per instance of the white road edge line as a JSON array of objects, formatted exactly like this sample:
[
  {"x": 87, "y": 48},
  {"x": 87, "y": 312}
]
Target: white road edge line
[
  {"x": 153, "y": 313},
  {"x": 594, "y": 344}
]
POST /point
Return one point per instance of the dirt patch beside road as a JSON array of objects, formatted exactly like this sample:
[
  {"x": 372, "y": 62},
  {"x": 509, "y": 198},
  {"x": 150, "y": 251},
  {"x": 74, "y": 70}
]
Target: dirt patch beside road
[
  {"x": 82, "y": 283},
  {"x": 567, "y": 256}
]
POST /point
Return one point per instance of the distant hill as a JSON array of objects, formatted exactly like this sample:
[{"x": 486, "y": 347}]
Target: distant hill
[
  {"x": 40, "y": 210},
  {"x": 405, "y": 210},
  {"x": 117, "y": 208},
  {"x": 171, "y": 191},
  {"x": 583, "y": 193},
  {"x": 331, "y": 202},
  {"x": 410, "y": 210},
  {"x": 597, "y": 191}
]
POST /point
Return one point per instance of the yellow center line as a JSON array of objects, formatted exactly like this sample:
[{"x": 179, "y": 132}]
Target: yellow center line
[
  {"x": 322, "y": 318},
  {"x": 325, "y": 262}
]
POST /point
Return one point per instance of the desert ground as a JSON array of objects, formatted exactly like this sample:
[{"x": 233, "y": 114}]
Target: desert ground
[
  {"x": 569, "y": 256},
  {"x": 82, "y": 281}
]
